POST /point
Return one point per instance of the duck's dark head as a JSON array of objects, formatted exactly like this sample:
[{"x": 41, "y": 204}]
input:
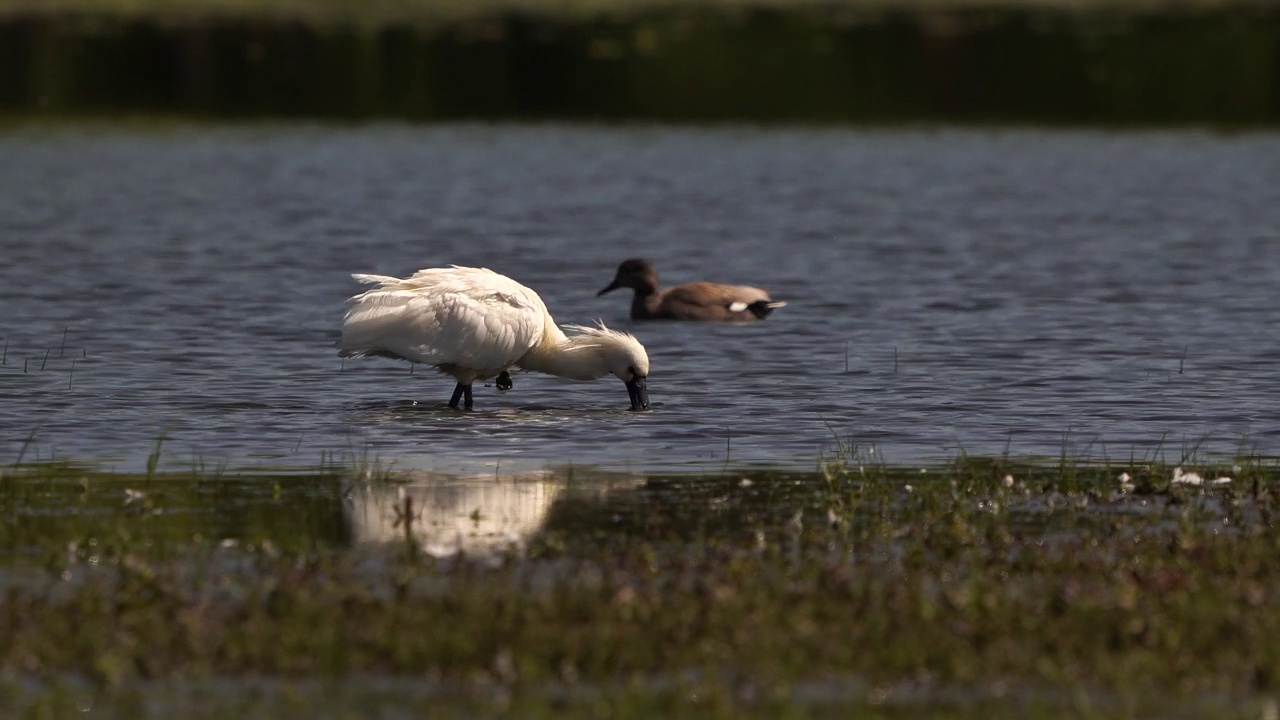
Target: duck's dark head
[{"x": 637, "y": 274}]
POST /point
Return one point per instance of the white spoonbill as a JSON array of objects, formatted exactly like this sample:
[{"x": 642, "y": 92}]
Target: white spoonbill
[{"x": 474, "y": 324}]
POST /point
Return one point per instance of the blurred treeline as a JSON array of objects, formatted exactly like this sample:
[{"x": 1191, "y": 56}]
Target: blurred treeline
[{"x": 1203, "y": 63}]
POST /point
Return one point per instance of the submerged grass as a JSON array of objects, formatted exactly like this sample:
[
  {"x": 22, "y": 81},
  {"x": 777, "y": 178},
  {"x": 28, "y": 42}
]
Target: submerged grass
[{"x": 986, "y": 587}]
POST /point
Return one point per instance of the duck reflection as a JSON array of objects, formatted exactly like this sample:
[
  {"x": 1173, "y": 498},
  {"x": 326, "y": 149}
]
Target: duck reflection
[{"x": 480, "y": 515}]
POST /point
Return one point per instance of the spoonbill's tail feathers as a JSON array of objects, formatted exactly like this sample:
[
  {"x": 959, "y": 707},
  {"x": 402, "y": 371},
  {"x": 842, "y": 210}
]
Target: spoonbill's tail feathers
[
  {"x": 383, "y": 280},
  {"x": 376, "y": 321},
  {"x": 371, "y": 315}
]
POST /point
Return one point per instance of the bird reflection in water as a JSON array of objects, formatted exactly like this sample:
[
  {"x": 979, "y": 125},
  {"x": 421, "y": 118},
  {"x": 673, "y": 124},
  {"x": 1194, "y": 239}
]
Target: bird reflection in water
[{"x": 477, "y": 515}]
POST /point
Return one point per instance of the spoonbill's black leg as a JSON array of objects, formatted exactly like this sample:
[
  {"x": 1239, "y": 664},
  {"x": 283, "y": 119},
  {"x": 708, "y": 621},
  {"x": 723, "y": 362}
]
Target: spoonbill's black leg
[
  {"x": 458, "y": 390},
  {"x": 467, "y": 395}
]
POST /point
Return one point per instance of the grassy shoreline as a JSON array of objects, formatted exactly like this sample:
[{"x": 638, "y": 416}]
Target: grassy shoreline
[{"x": 984, "y": 588}]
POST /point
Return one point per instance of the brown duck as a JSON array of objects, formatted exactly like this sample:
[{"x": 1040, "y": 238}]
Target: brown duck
[{"x": 691, "y": 301}]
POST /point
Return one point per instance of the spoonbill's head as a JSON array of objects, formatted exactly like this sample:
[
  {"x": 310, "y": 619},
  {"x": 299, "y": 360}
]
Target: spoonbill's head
[
  {"x": 622, "y": 356},
  {"x": 636, "y": 273},
  {"x": 632, "y": 368}
]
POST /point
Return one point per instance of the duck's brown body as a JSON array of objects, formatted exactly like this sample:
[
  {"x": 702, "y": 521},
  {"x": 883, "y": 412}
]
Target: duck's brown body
[{"x": 691, "y": 301}]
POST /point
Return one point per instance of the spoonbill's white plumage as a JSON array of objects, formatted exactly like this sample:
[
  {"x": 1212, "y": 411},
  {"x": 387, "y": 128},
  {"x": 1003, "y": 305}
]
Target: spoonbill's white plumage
[{"x": 475, "y": 324}]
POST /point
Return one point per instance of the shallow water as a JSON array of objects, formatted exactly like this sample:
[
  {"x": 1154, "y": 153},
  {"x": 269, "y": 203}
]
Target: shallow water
[{"x": 948, "y": 290}]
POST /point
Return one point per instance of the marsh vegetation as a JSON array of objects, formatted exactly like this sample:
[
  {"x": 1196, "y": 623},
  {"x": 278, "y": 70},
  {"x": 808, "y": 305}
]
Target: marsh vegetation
[
  {"x": 889, "y": 61},
  {"x": 977, "y": 588}
]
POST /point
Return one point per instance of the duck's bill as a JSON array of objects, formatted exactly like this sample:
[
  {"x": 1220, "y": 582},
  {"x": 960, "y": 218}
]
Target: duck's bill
[
  {"x": 612, "y": 286},
  {"x": 639, "y": 392}
]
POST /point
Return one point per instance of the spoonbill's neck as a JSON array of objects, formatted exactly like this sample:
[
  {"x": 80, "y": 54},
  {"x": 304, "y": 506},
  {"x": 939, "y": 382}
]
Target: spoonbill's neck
[{"x": 577, "y": 357}]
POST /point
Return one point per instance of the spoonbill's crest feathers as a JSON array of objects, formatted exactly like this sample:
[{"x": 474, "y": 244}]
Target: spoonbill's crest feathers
[{"x": 611, "y": 342}]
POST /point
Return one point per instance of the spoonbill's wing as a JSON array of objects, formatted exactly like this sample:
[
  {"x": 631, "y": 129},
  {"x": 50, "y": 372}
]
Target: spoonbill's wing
[{"x": 469, "y": 317}]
